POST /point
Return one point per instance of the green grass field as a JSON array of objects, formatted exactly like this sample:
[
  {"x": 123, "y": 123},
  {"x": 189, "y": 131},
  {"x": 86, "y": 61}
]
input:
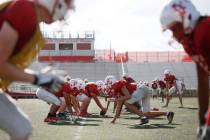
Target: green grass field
[{"x": 126, "y": 128}]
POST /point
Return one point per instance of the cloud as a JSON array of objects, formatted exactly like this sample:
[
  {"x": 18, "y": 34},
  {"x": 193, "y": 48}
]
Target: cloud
[{"x": 130, "y": 25}]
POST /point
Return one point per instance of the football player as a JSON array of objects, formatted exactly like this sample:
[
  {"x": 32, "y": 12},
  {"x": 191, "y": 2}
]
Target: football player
[
  {"x": 162, "y": 88},
  {"x": 68, "y": 92},
  {"x": 128, "y": 97},
  {"x": 191, "y": 29},
  {"x": 82, "y": 97},
  {"x": 92, "y": 90},
  {"x": 154, "y": 87},
  {"x": 62, "y": 108},
  {"x": 121, "y": 91},
  {"x": 128, "y": 78},
  {"x": 173, "y": 86},
  {"x": 142, "y": 94},
  {"x": 20, "y": 41}
]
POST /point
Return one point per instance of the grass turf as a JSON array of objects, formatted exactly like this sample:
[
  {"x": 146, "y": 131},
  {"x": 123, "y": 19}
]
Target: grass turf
[{"x": 126, "y": 128}]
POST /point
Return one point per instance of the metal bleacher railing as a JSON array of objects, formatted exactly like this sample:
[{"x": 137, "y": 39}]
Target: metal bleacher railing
[
  {"x": 66, "y": 35},
  {"x": 144, "y": 56},
  {"x": 22, "y": 90}
]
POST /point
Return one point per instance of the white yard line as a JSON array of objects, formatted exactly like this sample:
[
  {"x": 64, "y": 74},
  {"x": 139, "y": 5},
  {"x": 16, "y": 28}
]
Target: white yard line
[{"x": 78, "y": 132}]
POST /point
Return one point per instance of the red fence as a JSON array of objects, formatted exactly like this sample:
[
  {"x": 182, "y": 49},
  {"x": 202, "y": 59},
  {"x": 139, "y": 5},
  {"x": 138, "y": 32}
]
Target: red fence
[
  {"x": 111, "y": 55},
  {"x": 105, "y": 55}
]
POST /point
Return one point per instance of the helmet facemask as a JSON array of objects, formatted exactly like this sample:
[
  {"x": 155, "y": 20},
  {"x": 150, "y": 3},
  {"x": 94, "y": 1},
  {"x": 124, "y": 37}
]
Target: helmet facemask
[{"x": 109, "y": 81}]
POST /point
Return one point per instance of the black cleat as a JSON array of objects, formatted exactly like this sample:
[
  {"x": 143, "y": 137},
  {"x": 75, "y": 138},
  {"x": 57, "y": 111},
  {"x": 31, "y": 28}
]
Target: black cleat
[
  {"x": 62, "y": 116},
  {"x": 170, "y": 117},
  {"x": 144, "y": 120}
]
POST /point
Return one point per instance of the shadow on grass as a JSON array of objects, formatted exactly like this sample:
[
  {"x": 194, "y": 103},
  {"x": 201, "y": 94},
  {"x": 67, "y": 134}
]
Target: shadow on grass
[
  {"x": 190, "y": 108},
  {"x": 99, "y": 116},
  {"x": 156, "y": 118},
  {"x": 126, "y": 113},
  {"x": 131, "y": 118},
  {"x": 77, "y": 123},
  {"x": 137, "y": 118},
  {"x": 175, "y": 124},
  {"x": 93, "y": 120},
  {"x": 153, "y": 126},
  {"x": 86, "y": 120}
]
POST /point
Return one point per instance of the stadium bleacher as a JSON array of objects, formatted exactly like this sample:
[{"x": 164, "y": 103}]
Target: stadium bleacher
[
  {"x": 99, "y": 70},
  {"x": 140, "y": 71},
  {"x": 148, "y": 71}
]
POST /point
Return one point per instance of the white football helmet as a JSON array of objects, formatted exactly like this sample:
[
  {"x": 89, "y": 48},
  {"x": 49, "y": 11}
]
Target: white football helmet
[
  {"x": 73, "y": 83},
  {"x": 110, "y": 80},
  {"x": 140, "y": 84},
  {"x": 81, "y": 84},
  {"x": 125, "y": 75},
  {"x": 86, "y": 80},
  {"x": 67, "y": 78},
  {"x": 182, "y": 11},
  {"x": 100, "y": 85},
  {"x": 57, "y": 8},
  {"x": 166, "y": 71},
  {"x": 146, "y": 83}
]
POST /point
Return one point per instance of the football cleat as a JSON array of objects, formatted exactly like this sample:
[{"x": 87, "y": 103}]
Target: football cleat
[
  {"x": 62, "y": 116},
  {"x": 144, "y": 120},
  {"x": 203, "y": 133},
  {"x": 170, "y": 117},
  {"x": 199, "y": 132},
  {"x": 51, "y": 119}
]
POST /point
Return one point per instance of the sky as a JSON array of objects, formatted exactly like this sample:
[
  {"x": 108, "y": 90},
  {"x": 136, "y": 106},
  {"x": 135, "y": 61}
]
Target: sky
[{"x": 125, "y": 25}]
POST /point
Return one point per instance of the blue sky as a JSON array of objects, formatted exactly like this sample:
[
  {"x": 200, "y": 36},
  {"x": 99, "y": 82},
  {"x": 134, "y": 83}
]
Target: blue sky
[{"x": 130, "y": 25}]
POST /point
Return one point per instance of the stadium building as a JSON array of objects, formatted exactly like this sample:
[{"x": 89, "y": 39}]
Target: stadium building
[{"x": 75, "y": 54}]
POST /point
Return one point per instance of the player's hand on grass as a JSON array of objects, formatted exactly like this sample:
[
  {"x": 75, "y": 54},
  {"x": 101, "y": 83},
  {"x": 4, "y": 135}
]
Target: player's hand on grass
[
  {"x": 49, "y": 82},
  {"x": 103, "y": 111},
  {"x": 113, "y": 122}
]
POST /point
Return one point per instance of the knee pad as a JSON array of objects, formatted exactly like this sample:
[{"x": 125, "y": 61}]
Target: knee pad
[{"x": 48, "y": 97}]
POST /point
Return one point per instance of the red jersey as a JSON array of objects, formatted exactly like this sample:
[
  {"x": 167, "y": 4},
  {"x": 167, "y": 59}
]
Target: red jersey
[
  {"x": 131, "y": 87},
  {"x": 170, "y": 79},
  {"x": 74, "y": 92},
  {"x": 161, "y": 84},
  {"x": 154, "y": 85},
  {"x": 117, "y": 87},
  {"x": 21, "y": 15},
  {"x": 66, "y": 88},
  {"x": 198, "y": 45},
  {"x": 91, "y": 88},
  {"x": 109, "y": 92}
]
